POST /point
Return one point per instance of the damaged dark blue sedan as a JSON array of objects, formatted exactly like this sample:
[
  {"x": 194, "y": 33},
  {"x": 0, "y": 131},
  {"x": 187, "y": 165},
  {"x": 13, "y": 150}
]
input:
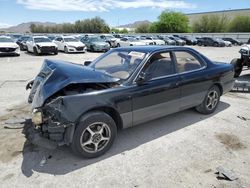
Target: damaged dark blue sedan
[{"x": 83, "y": 106}]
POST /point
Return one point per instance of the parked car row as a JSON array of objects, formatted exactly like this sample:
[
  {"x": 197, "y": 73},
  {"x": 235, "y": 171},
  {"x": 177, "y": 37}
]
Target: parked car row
[{"x": 80, "y": 43}]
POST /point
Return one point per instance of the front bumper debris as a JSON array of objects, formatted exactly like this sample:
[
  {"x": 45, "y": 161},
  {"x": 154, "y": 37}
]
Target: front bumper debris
[{"x": 35, "y": 137}]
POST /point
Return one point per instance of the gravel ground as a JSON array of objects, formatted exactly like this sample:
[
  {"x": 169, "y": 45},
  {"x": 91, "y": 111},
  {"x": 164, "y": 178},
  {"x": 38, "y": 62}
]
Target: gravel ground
[{"x": 179, "y": 150}]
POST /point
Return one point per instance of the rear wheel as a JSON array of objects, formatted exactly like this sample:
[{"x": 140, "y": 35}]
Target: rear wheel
[
  {"x": 199, "y": 43},
  {"x": 94, "y": 135},
  {"x": 118, "y": 45},
  {"x": 237, "y": 64},
  {"x": 210, "y": 101},
  {"x": 216, "y": 44}
]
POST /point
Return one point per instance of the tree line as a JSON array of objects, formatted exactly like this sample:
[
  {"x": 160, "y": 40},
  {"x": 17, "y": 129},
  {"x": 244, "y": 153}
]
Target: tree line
[
  {"x": 176, "y": 22},
  {"x": 93, "y": 25},
  {"x": 168, "y": 22}
]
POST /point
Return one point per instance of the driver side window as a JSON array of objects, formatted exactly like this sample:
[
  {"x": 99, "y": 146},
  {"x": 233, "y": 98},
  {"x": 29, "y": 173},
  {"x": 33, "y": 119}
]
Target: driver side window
[{"x": 159, "y": 65}]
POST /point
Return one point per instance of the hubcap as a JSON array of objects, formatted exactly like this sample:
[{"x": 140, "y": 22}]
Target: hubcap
[
  {"x": 95, "y": 137},
  {"x": 212, "y": 99}
]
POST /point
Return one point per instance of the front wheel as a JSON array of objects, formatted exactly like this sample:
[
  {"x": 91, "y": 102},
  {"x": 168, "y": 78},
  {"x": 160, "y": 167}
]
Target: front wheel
[
  {"x": 237, "y": 64},
  {"x": 55, "y": 52},
  {"x": 94, "y": 135},
  {"x": 216, "y": 44},
  {"x": 210, "y": 101},
  {"x": 66, "y": 49},
  {"x": 35, "y": 51}
]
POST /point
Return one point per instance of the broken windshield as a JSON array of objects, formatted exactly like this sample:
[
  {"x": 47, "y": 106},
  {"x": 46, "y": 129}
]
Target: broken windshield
[{"x": 119, "y": 64}]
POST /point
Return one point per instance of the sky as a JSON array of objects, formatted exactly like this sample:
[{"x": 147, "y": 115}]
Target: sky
[{"x": 114, "y": 12}]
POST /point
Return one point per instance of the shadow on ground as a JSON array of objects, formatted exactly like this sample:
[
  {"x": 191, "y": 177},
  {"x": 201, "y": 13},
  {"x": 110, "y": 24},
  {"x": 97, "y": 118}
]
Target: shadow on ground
[{"x": 62, "y": 161}]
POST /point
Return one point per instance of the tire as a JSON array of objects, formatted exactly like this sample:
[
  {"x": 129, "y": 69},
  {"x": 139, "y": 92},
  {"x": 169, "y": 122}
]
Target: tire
[
  {"x": 55, "y": 52},
  {"x": 210, "y": 101},
  {"x": 87, "y": 129},
  {"x": 237, "y": 64},
  {"x": 199, "y": 44},
  {"x": 216, "y": 44},
  {"x": 66, "y": 49},
  {"x": 21, "y": 47},
  {"x": 35, "y": 51},
  {"x": 118, "y": 45},
  {"x": 92, "y": 49}
]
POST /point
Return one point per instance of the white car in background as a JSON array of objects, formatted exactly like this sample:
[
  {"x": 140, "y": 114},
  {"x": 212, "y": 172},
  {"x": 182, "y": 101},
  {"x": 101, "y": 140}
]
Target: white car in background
[
  {"x": 69, "y": 44},
  {"x": 8, "y": 46},
  {"x": 129, "y": 41},
  {"x": 41, "y": 45},
  {"x": 156, "y": 40},
  {"x": 145, "y": 41},
  {"x": 227, "y": 43}
]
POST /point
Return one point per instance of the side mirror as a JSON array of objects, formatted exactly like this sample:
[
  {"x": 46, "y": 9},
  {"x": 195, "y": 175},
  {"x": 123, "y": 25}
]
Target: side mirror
[
  {"x": 86, "y": 63},
  {"x": 142, "y": 78}
]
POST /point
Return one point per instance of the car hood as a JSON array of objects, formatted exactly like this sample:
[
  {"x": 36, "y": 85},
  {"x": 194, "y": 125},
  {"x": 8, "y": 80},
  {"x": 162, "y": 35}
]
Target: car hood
[
  {"x": 76, "y": 44},
  {"x": 56, "y": 75},
  {"x": 46, "y": 44},
  {"x": 100, "y": 43},
  {"x": 8, "y": 45}
]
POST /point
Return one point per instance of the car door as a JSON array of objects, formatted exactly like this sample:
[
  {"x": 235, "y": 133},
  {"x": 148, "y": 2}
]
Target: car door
[
  {"x": 194, "y": 83},
  {"x": 159, "y": 94}
]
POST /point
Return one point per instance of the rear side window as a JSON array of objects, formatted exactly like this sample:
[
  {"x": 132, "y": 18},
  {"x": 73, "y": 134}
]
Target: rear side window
[
  {"x": 159, "y": 65},
  {"x": 187, "y": 62}
]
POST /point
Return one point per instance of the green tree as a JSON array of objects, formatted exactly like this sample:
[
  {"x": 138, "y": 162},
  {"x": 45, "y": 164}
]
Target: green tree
[
  {"x": 170, "y": 22},
  {"x": 94, "y": 25},
  {"x": 211, "y": 24},
  {"x": 240, "y": 24},
  {"x": 143, "y": 28}
]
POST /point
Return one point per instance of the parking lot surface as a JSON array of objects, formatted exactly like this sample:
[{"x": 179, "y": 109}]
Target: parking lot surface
[{"x": 179, "y": 150}]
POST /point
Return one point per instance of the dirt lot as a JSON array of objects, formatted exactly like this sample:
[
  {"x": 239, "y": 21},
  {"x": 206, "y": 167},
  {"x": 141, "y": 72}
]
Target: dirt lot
[{"x": 180, "y": 150}]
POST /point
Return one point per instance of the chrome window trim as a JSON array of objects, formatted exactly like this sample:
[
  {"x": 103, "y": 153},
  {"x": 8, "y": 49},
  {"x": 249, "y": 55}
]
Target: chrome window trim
[{"x": 173, "y": 51}]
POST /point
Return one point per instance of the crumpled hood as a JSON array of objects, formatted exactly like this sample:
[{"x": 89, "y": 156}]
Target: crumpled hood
[{"x": 56, "y": 75}]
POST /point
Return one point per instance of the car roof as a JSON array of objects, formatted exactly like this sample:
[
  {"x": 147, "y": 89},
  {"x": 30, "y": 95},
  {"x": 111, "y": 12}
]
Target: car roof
[
  {"x": 153, "y": 48},
  {"x": 40, "y": 36},
  {"x": 3, "y": 36}
]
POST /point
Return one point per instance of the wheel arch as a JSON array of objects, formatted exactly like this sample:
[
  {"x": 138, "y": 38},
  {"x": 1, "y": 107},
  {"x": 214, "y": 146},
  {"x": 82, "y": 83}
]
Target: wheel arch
[
  {"x": 220, "y": 87},
  {"x": 113, "y": 113}
]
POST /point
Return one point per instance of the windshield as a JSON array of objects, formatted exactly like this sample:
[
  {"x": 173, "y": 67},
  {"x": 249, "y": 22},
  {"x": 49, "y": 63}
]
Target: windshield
[
  {"x": 132, "y": 39},
  {"x": 41, "y": 39},
  {"x": 3, "y": 39},
  {"x": 95, "y": 39},
  {"x": 70, "y": 39},
  {"x": 109, "y": 37},
  {"x": 24, "y": 38},
  {"x": 119, "y": 63}
]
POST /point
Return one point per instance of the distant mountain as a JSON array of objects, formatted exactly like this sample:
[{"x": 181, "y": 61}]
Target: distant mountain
[
  {"x": 25, "y": 27},
  {"x": 134, "y": 25}
]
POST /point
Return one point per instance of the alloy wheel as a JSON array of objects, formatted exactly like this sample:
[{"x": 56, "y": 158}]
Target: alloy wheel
[
  {"x": 95, "y": 137},
  {"x": 212, "y": 100}
]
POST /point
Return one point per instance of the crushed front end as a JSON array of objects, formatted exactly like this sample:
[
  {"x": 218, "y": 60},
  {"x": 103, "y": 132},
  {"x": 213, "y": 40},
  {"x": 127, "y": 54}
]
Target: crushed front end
[{"x": 53, "y": 115}]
